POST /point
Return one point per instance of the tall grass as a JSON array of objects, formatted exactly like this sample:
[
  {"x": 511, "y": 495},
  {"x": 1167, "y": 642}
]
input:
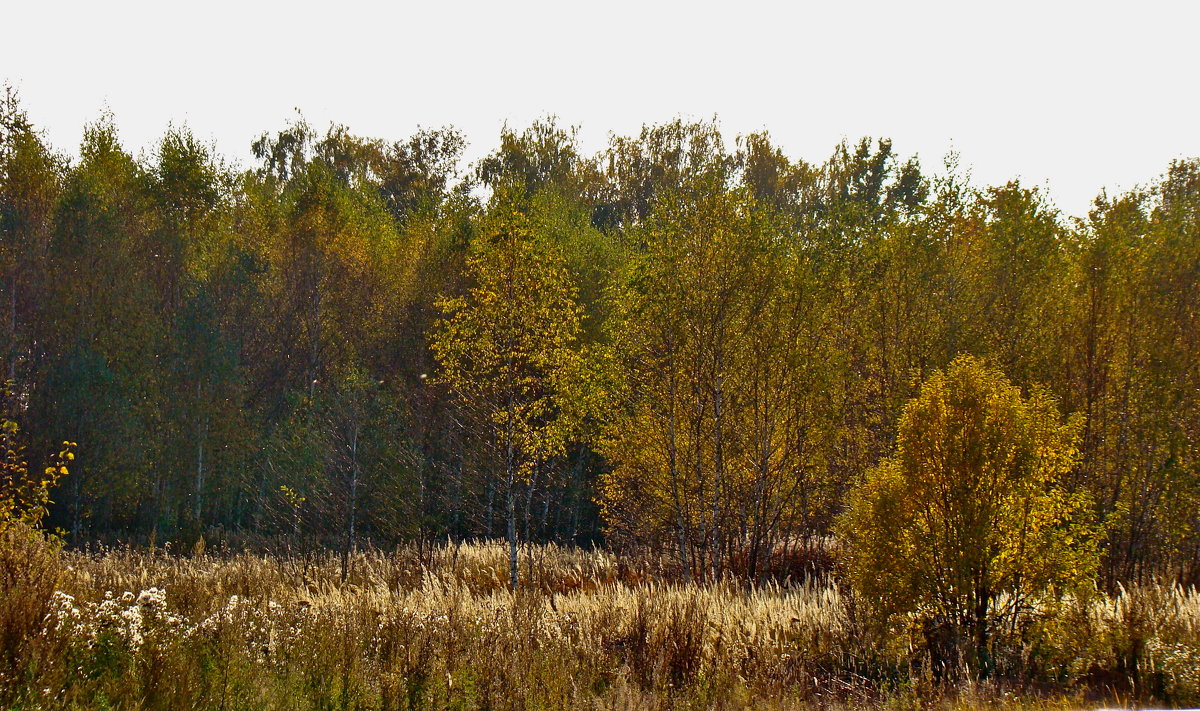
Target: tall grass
[{"x": 439, "y": 629}]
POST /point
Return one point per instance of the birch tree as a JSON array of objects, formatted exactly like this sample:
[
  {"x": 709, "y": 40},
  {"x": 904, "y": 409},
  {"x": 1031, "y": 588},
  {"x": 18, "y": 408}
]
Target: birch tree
[{"x": 504, "y": 348}]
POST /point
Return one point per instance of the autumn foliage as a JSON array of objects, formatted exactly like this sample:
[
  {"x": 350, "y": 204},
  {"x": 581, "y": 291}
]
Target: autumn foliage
[{"x": 970, "y": 524}]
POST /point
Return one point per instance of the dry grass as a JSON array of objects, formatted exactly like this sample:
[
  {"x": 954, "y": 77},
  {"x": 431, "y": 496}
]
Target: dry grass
[{"x": 439, "y": 629}]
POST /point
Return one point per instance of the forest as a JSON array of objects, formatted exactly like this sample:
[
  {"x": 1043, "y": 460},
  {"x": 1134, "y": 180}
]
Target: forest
[
  {"x": 708, "y": 347},
  {"x": 706, "y": 362}
]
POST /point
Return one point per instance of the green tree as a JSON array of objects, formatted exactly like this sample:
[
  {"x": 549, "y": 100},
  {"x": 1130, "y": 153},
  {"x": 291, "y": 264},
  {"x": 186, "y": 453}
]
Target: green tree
[
  {"x": 200, "y": 402},
  {"x": 638, "y": 171},
  {"x": 105, "y": 332},
  {"x": 30, "y": 186},
  {"x": 968, "y": 523}
]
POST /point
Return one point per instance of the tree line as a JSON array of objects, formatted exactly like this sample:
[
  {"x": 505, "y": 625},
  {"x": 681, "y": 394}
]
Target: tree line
[{"x": 680, "y": 344}]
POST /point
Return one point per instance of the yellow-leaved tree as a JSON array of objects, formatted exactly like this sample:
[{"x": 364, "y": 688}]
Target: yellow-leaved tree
[
  {"x": 968, "y": 523},
  {"x": 506, "y": 348},
  {"x": 715, "y": 436}
]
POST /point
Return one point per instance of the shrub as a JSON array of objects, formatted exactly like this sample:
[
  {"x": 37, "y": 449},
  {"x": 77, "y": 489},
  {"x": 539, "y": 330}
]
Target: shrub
[{"x": 968, "y": 525}]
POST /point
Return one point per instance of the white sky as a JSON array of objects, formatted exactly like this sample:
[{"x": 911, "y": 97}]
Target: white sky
[{"x": 1073, "y": 95}]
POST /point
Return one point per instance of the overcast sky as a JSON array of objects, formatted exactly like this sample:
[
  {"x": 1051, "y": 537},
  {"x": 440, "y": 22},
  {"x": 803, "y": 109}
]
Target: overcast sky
[{"x": 1071, "y": 95}]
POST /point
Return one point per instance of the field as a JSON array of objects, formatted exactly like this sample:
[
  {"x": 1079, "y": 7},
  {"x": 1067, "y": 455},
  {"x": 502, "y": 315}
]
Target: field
[{"x": 438, "y": 628}]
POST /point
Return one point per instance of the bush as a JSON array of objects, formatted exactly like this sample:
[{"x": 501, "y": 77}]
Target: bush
[{"x": 967, "y": 526}]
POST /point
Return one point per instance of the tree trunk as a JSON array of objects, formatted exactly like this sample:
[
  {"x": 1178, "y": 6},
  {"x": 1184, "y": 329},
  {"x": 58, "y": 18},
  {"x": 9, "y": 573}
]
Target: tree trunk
[
  {"x": 983, "y": 661},
  {"x": 77, "y": 514},
  {"x": 681, "y": 532},
  {"x": 351, "y": 505},
  {"x": 201, "y": 436},
  {"x": 512, "y": 536},
  {"x": 12, "y": 329},
  {"x": 352, "y": 541}
]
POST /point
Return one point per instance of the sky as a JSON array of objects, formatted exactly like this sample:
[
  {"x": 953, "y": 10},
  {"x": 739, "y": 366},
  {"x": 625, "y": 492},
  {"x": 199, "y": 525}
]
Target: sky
[{"x": 1071, "y": 97}]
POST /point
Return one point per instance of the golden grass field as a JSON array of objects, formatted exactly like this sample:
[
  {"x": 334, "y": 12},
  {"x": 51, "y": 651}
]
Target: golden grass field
[{"x": 439, "y": 629}]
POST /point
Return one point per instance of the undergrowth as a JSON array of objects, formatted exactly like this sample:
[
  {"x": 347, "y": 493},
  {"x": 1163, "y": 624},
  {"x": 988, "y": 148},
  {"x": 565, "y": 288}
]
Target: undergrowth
[{"x": 122, "y": 628}]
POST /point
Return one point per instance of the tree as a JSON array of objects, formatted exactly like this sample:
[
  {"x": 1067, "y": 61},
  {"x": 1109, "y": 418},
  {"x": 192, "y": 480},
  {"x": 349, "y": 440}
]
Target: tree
[
  {"x": 967, "y": 522},
  {"x": 543, "y": 156},
  {"x": 504, "y": 349},
  {"x": 713, "y": 438},
  {"x": 104, "y": 375},
  {"x": 188, "y": 257},
  {"x": 638, "y": 171},
  {"x": 1131, "y": 367},
  {"x": 30, "y": 186}
]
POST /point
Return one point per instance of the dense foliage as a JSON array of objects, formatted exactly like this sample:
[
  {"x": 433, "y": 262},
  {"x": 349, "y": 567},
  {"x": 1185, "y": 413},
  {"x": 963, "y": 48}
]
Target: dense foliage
[
  {"x": 671, "y": 345},
  {"x": 968, "y": 523}
]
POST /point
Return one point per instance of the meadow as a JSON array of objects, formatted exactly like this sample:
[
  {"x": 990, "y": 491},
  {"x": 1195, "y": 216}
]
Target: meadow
[{"x": 436, "y": 627}]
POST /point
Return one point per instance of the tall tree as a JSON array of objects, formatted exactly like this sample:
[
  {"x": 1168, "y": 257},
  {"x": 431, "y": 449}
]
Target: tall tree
[
  {"x": 504, "y": 348},
  {"x": 30, "y": 187},
  {"x": 106, "y": 374},
  {"x": 714, "y": 442}
]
